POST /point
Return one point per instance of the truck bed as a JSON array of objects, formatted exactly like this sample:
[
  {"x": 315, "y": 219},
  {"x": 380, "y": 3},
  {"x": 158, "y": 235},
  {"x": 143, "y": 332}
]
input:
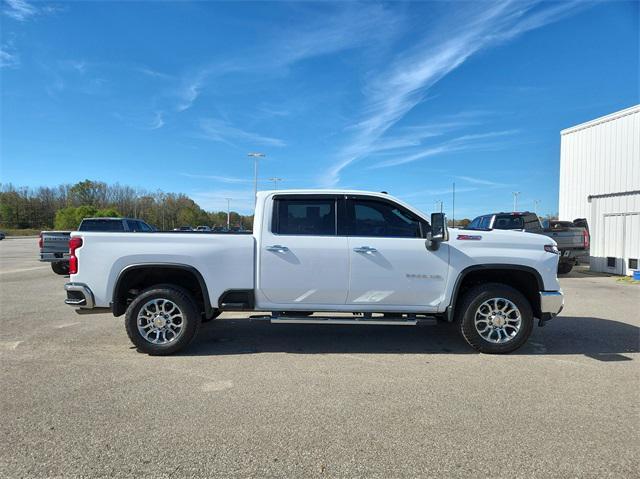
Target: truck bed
[{"x": 226, "y": 261}]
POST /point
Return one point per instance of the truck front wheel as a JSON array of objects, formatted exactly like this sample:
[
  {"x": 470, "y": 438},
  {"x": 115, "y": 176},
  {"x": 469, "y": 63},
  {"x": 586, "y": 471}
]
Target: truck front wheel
[
  {"x": 162, "y": 320},
  {"x": 494, "y": 318}
]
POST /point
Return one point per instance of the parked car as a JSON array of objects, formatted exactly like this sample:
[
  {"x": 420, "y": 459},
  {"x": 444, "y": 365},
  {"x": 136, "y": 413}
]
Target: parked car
[
  {"x": 321, "y": 251},
  {"x": 572, "y": 237},
  {"x": 54, "y": 245},
  {"x": 2, "y": 235},
  {"x": 203, "y": 228},
  {"x": 183, "y": 228}
]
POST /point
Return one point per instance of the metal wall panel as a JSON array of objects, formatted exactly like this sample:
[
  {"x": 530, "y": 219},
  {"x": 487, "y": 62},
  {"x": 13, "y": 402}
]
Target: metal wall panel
[
  {"x": 601, "y": 159},
  {"x": 598, "y": 157}
]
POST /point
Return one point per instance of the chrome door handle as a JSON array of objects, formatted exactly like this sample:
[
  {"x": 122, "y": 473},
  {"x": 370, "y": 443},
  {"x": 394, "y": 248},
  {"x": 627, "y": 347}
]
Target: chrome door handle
[
  {"x": 278, "y": 248},
  {"x": 365, "y": 249}
]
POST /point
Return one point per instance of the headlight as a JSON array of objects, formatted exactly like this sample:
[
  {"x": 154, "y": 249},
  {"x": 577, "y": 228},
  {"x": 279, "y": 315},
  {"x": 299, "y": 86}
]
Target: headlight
[{"x": 551, "y": 248}]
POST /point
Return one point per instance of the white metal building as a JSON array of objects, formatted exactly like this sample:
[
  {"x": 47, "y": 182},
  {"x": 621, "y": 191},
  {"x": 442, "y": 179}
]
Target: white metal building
[{"x": 600, "y": 181}]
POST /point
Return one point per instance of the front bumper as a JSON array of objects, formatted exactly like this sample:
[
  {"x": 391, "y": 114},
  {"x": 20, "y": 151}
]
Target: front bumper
[
  {"x": 79, "y": 295},
  {"x": 551, "y": 303}
]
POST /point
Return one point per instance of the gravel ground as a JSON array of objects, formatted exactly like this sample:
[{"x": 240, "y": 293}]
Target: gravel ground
[{"x": 254, "y": 399}]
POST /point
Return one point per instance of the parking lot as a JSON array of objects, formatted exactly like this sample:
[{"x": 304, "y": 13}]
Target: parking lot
[{"x": 253, "y": 399}]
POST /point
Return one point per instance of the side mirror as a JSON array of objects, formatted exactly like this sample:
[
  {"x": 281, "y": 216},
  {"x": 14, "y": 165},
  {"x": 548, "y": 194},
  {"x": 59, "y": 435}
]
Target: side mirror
[{"x": 438, "y": 231}]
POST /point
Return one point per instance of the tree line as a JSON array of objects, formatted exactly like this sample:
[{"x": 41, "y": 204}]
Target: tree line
[{"x": 64, "y": 206}]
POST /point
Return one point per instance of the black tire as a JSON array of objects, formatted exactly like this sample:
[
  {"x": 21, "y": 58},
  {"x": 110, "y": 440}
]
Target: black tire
[
  {"x": 468, "y": 307},
  {"x": 60, "y": 267},
  {"x": 215, "y": 314},
  {"x": 565, "y": 267},
  {"x": 190, "y": 319}
]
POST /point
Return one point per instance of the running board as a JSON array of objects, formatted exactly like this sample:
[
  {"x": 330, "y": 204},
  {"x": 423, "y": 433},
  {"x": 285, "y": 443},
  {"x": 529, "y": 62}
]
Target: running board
[{"x": 320, "y": 320}]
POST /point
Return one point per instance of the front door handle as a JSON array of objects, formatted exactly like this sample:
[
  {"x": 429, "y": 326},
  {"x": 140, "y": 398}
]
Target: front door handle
[
  {"x": 277, "y": 248},
  {"x": 365, "y": 249}
]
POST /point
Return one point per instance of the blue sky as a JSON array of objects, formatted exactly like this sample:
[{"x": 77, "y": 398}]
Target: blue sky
[{"x": 401, "y": 97}]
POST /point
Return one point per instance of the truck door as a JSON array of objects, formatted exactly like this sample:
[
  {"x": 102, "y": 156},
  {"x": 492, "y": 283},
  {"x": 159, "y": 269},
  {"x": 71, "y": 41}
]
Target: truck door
[
  {"x": 302, "y": 261},
  {"x": 391, "y": 268}
]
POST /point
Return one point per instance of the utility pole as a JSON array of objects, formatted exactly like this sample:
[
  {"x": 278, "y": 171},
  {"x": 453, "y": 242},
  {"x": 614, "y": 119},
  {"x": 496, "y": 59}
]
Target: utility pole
[
  {"x": 255, "y": 156},
  {"x": 515, "y": 200},
  {"x": 438, "y": 205},
  {"x": 228, "y": 213},
  {"x": 453, "y": 207},
  {"x": 275, "y": 180}
]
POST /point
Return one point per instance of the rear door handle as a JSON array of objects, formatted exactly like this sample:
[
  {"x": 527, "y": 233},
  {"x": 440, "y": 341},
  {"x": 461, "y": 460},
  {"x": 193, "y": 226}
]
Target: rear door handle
[
  {"x": 278, "y": 248},
  {"x": 365, "y": 249}
]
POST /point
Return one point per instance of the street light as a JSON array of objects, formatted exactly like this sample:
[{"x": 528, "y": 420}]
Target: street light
[
  {"x": 275, "y": 180},
  {"x": 515, "y": 200},
  {"x": 255, "y": 156},
  {"x": 228, "y": 213},
  {"x": 535, "y": 206}
]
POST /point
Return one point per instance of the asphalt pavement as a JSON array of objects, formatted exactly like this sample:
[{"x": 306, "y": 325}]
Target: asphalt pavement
[{"x": 252, "y": 399}]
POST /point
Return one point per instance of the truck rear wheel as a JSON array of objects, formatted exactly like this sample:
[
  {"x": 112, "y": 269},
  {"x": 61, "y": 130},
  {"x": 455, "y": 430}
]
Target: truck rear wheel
[
  {"x": 60, "y": 267},
  {"x": 494, "y": 318},
  {"x": 162, "y": 320}
]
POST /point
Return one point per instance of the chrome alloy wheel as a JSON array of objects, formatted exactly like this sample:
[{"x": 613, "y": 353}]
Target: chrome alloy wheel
[
  {"x": 160, "y": 321},
  {"x": 498, "y": 320}
]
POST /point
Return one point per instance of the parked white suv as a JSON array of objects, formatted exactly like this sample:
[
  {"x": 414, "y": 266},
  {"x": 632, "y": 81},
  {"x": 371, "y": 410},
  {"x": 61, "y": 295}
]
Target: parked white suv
[{"x": 321, "y": 251}]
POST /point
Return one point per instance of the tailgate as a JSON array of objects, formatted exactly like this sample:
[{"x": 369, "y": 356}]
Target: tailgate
[
  {"x": 572, "y": 239},
  {"x": 55, "y": 242}
]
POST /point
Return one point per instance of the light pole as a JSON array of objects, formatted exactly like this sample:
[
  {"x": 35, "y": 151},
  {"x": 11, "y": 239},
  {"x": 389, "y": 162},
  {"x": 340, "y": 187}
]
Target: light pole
[
  {"x": 275, "y": 180},
  {"x": 228, "y": 213},
  {"x": 535, "y": 207},
  {"x": 255, "y": 156},
  {"x": 515, "y": 200}
]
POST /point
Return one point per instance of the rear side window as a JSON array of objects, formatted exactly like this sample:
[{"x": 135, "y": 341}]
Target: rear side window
[
  {"x": 508, "y": 222},
  {"x": 101, "y": 225},
  {"x": 312, "y": 217},
  {"x": 383, "y": 219}
]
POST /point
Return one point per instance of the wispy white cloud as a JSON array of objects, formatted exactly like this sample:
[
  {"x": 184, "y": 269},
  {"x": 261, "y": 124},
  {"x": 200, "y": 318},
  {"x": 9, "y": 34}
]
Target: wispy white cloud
[
  {"x": 8, "y": 57},
  {"x": 464, "y": 142},
  {"x": 478, "y": 181},
  {"x": 327, "y": 31},
  {"x": 462, "y": 32},
  {"x": 158, "y": 121},
  {"x": 218, "y": 130},
  {"x": 19, "y": 9},
  {"x": 153, "y": 73},
  {"x": 221, "y": 179},
  {"x": 22, "y": 10}
]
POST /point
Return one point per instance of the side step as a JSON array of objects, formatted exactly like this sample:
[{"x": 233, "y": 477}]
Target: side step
[{"x": 321, "y": 320}]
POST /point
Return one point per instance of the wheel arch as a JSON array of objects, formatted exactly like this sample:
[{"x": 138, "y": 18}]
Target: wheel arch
[
  {"x": 147, "y": 274},
  {"x": 525, "y": 279}
]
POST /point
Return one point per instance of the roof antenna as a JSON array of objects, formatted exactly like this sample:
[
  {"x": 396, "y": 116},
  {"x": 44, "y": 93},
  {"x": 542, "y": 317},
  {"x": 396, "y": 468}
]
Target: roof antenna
[{"x": 384, "y": 192}]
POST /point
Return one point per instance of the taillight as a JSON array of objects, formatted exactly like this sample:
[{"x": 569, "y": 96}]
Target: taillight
[
  {"x": 585, "y": 239},
  {"x": 74, "y": 244},
  {"x": 40, "y": 241}
]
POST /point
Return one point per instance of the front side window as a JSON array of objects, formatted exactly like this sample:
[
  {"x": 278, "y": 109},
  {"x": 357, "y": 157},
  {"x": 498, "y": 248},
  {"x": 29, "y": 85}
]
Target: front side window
[
  {"x": 383, "y": 219},
  {"x": 312, "y": 217}
]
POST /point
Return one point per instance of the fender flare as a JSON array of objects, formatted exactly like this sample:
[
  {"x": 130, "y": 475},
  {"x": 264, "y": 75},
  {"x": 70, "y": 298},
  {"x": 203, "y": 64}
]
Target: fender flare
[
  {"x": 118, "y": 309},
  {"x": 450, "y": 311}
]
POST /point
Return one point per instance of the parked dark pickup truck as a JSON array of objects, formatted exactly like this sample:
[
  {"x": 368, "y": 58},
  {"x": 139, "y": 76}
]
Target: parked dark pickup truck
[
  {"x": 54, "y": 245},
  {"x": 572, "y": 237}
]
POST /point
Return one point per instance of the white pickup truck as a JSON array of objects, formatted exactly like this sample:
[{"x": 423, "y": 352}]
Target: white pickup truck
[{"x": 314, "y": 253}]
